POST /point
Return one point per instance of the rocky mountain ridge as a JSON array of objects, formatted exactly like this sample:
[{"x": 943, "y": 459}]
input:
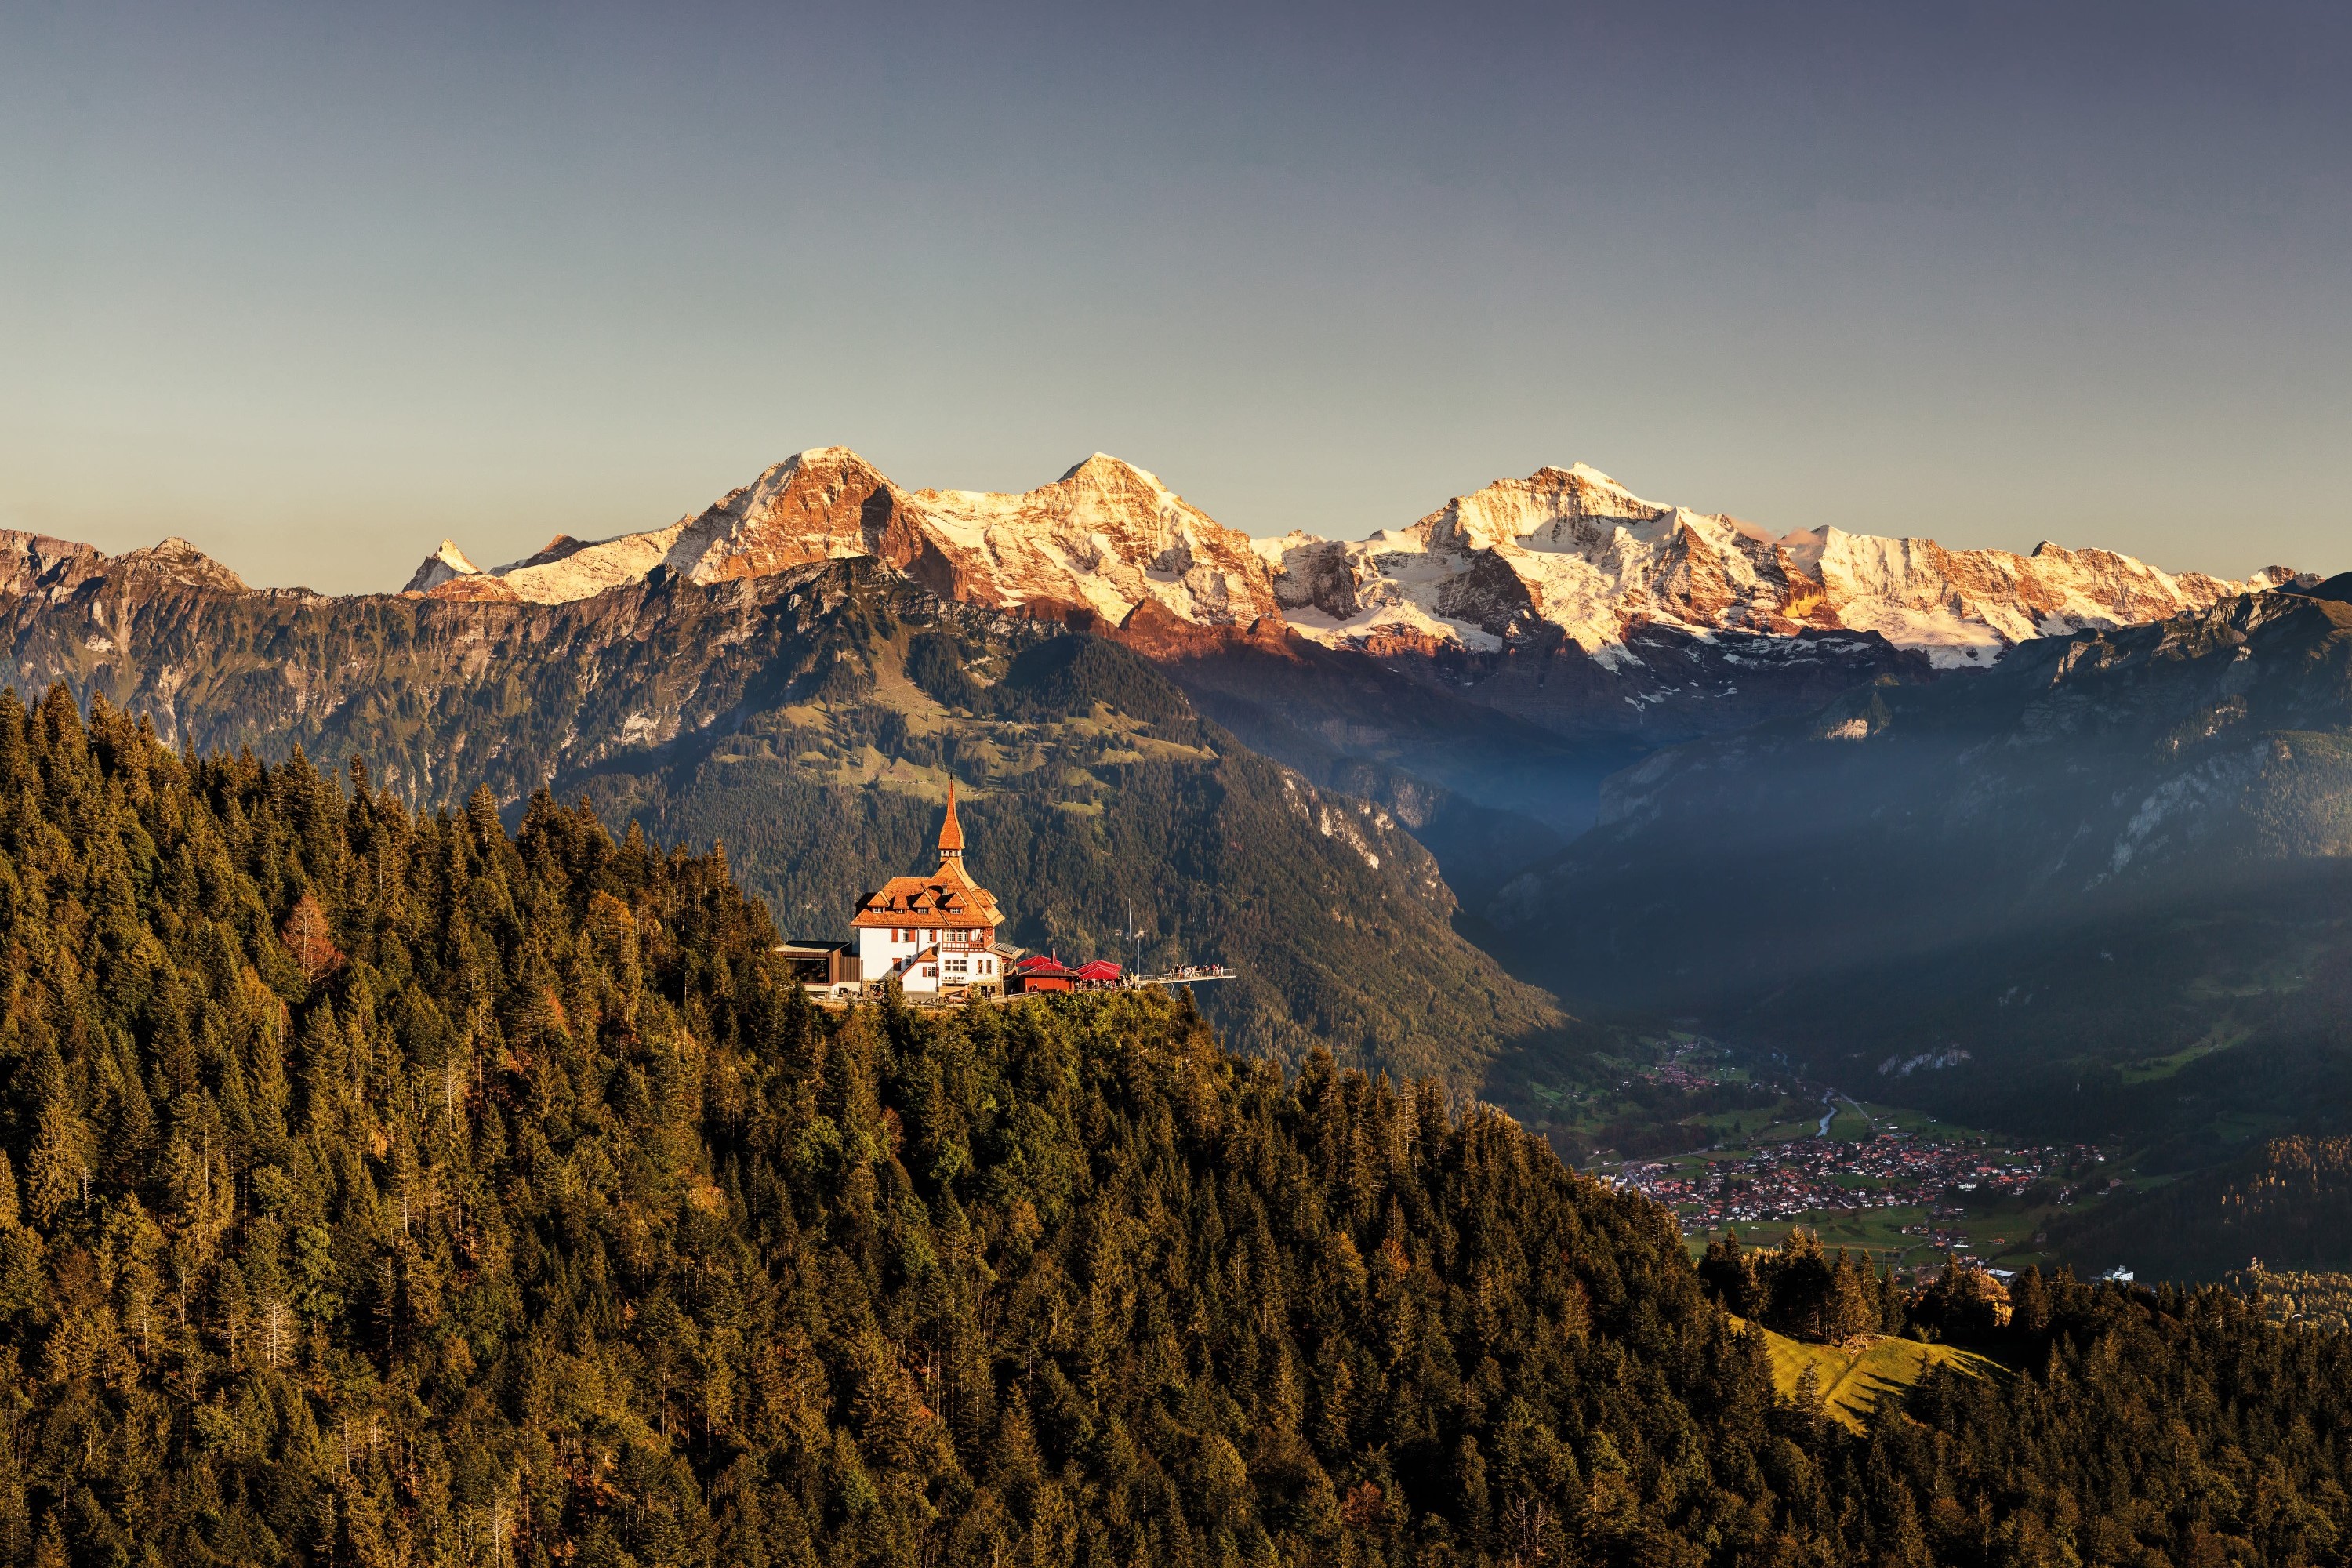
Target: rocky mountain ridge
[
  {"x": 1106, "y": 537},
  {"x": 1571, "y": 553},
  {"x": 1565, "y": 557}
]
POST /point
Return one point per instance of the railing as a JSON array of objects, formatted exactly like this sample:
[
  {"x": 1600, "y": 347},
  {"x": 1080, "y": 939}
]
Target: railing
[{"x": 1183, "y": 975}]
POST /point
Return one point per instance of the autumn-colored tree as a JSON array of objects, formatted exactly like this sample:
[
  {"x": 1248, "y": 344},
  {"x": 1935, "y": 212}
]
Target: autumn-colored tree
[{"x": 310, "y": 940}]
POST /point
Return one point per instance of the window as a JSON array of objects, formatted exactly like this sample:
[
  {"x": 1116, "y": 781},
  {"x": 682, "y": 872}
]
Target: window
[{"x": 931, "y": 972}]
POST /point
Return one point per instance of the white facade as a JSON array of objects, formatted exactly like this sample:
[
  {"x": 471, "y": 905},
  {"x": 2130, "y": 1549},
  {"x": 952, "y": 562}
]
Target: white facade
[{"x": 927, "y": 958}]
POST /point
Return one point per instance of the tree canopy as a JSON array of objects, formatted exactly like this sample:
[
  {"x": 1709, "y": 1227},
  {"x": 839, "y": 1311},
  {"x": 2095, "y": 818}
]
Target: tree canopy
[{"x": 385, "y": 1188}]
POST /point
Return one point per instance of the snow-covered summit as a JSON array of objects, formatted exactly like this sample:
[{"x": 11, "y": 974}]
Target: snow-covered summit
[
  {"x": 439, "y": 567},
  {"x": 1561, "y": 555},
  {"x": 1105, "y": 536},
  {"x": 1571, "y": 553}
]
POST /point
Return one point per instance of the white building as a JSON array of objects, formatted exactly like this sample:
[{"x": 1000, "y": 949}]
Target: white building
[{"x": 933, "y": 933}]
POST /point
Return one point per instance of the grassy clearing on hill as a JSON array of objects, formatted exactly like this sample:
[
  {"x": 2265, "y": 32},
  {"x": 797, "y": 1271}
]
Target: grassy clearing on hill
[{"x": 1853, "y": 1381}]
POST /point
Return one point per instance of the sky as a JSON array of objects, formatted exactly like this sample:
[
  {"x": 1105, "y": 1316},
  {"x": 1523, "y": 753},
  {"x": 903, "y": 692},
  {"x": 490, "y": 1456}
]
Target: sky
[{"x": 316, "y": 286}]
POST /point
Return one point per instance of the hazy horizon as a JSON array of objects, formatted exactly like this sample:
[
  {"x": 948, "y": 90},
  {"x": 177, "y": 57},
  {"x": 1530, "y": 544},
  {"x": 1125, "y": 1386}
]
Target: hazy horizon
[{"x": 316, "y": 291}]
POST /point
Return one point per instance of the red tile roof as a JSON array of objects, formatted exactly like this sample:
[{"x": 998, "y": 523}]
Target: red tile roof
[{"x": 946, "y": 900}]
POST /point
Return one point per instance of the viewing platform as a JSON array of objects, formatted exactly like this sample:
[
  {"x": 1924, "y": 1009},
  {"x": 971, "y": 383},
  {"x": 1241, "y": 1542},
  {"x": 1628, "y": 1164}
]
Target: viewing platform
[{"x": 1183, "y": 975}]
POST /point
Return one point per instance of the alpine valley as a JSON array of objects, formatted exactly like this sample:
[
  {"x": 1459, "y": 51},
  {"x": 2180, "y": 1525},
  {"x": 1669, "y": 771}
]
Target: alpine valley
[{"x": 1549, "y": 750}]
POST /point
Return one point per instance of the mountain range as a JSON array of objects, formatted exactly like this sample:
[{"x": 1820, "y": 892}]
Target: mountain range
[
  {"x": 1561, "y": 600},
  {"x": 1563, "y": 555},
  {"x": 1869, "y": 799}
]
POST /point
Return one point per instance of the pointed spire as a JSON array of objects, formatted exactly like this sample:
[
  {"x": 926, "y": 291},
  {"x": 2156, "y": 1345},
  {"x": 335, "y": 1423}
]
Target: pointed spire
[{"x": 950, "y": 831}]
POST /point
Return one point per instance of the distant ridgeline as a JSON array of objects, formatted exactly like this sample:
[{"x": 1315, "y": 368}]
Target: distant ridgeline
[{"x": 381, "y": 1187}]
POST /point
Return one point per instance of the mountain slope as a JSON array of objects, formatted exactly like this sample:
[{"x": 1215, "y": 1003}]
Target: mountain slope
[
  {"x": 778, "y": 713},
  {"x": 416, "y": 1195},
  {"x": 2112, "y": 870}
]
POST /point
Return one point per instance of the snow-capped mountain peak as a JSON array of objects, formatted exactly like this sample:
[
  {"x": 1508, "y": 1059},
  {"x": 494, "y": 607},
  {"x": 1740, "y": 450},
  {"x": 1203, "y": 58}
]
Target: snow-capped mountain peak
[
  {"x": 1571, "y": 551},
  {"x": 1564, "y": 554},
  {"x": 1105, "y": 536},
  {"x": 443, "y": 564},
  {"x": 1103, "y": 468}
]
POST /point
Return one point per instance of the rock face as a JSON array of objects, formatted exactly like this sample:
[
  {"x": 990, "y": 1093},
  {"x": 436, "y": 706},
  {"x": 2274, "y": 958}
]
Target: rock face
[
  {"x": 37, "y": 566},
  {"x": 1106, "y": 537},
  {"x": 1571, "y": 553},
  {"x": 1565, "y": 557}
]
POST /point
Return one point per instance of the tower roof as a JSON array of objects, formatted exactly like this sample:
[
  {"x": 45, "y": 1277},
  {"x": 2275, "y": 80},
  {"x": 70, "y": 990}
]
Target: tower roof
[
  {"x": 950, "y": 831},
  {"x": 946, "y": 900}
]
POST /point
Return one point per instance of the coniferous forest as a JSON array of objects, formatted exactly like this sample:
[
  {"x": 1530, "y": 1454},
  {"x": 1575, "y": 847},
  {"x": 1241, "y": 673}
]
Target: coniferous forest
[{"x": 385, "y": 1188}]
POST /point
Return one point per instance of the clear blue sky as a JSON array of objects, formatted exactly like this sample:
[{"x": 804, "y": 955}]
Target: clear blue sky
[{"x": 317, "y": 285}]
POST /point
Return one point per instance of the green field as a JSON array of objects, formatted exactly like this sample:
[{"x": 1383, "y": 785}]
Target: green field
[
  {"x": 1792, "y": 1119},
  {"x": 1853, "y": 1382},
  {"x": 1877, "y": 1232},
  {"x": 2222, "y": 1036}
]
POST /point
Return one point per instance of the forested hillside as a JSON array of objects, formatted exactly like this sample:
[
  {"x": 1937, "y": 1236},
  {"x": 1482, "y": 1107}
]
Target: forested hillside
[
  {"x": 1096, "y": 800},
  {"x": 2286, "y": 1201},
  {"x": 384, "y": 1188}
]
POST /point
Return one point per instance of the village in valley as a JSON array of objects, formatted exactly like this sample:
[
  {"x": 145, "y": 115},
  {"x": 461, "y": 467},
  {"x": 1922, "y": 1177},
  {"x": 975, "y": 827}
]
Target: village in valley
[
  {"x": 935, "y": 937},
  {"x": 1922, "y": 1185},
  {"x": 1776, "y": 1150}
]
